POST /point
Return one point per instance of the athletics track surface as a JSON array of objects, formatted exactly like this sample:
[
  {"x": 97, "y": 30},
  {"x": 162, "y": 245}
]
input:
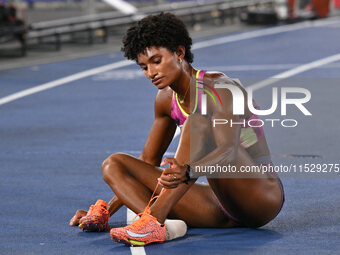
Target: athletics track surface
[{"x": 53, "y": 143}]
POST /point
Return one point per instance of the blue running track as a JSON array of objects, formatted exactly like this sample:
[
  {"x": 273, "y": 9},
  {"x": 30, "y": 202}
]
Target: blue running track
[{"x": 52, "y": 144}]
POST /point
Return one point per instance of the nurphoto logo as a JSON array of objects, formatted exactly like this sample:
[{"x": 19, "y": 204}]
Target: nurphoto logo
[{"x": 239, "y": 102}]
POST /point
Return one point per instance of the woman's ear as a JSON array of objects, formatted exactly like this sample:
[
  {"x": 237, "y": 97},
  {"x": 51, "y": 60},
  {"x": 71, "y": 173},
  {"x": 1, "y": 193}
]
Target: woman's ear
[{"x": 180, "y": 52}]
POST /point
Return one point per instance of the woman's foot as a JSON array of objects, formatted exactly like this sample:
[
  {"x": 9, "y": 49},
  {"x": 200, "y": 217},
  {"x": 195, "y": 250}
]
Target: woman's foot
[{"x": 96, "y": 219}]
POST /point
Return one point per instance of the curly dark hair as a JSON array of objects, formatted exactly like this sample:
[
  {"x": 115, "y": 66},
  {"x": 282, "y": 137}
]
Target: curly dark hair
[{"x": 161, "y": 30}]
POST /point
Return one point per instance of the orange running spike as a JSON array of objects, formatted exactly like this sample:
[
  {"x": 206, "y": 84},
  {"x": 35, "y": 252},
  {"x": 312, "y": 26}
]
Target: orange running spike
[
  {"x": 144, "y": 230},
  {"x": 141, "y": 232},
  {"x": 96, "y": 219}
]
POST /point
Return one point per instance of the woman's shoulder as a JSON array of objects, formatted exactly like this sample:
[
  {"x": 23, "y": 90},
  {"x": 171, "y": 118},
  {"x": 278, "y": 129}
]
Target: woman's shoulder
[
  {"x": 164, "y": 94},
  {"x": 163, "y": 100},
  {"x": 213, "y": 78},
  {"x": 216, "y": 77}
]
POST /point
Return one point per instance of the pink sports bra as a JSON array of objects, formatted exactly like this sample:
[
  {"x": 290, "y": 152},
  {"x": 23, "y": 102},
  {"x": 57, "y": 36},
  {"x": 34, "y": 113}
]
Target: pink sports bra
[{"x": 249, "y": 135}]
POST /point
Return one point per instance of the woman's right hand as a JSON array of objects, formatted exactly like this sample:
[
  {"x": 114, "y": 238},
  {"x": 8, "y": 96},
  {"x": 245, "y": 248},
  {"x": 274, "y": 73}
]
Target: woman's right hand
[{"x": 75, "y": 219}]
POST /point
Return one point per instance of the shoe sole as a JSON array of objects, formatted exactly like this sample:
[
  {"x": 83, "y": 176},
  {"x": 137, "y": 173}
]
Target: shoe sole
[
  {"x": 131, "y": 243},
  {"x": 127, "y": 243},
  {"x": 94, "y": 227}
]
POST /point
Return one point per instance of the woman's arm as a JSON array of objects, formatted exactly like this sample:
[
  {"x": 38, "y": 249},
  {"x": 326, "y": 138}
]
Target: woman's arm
[
  {"x": 224, "y": 139},
  {"x": 162, "y": 130},
  {"x": 160, "y": 136}
]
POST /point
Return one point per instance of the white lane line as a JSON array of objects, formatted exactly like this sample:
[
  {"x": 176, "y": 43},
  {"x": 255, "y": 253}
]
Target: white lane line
[
  {"x": 122, "y": 6},
  {"x": 132, "y": 74},
  {"x": 199, "y": 45},
  {"x": 134, "y": 250},
  {"x": 295, "y": 71},
  {"x": 63, "y": 81},
  {"x": 262, "y": 32},
  {"x": 330, "y": 22},
  {"x": 250, "y": 35},
  {"x": 247, "y": 68},
  {"x": 138, "y": 250}
]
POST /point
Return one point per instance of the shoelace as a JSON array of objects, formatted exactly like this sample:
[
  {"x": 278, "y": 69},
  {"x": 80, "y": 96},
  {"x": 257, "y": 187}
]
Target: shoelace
[{"x": 147, "y": 209}]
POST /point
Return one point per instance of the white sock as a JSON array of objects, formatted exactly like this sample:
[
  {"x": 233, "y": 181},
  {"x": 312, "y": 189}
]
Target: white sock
[{"x": 175, "y": 229}]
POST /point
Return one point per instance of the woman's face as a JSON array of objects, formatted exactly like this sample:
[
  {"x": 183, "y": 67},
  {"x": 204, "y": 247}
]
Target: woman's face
[{"x": 160, "y": 65}]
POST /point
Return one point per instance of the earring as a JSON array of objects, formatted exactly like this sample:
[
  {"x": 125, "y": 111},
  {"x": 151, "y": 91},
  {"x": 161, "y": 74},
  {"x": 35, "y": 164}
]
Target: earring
[{"x": 180, "y": 60}]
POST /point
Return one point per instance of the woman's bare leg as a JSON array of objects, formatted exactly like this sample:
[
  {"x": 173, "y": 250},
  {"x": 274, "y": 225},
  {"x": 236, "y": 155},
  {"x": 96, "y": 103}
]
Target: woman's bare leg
[
  {"x": 123, "y": 173},
  {"x": 114, "y": 205},
  {"x": 133, "y": 180}
]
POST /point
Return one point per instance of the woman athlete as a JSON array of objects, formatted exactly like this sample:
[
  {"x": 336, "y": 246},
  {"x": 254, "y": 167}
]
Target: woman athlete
[{"x": 161, "y": 46}]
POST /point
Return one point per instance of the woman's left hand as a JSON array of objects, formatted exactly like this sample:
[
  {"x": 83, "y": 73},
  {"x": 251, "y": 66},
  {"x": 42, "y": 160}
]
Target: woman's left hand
[{"x": 172, "y": 176}]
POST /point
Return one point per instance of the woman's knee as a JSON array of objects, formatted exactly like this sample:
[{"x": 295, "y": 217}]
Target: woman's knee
[{"x": 112, "y": 165}]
